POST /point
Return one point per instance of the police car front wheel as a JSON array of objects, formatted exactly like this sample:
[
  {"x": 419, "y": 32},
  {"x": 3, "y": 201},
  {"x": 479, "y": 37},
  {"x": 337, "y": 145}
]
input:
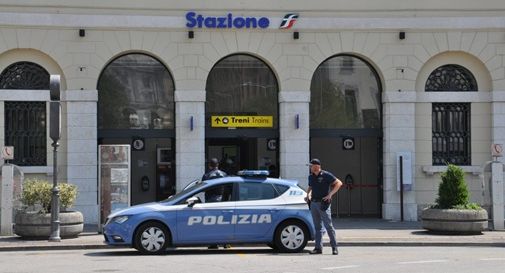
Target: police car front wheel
[
  {"x": 291, "y": 236},
  {"x": 152, "y": 238}
]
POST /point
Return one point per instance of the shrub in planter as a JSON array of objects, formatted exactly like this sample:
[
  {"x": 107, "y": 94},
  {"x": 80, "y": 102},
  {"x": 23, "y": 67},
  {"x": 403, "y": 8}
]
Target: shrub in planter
[
  {"x": 38, "y": 193},
  {"x": 35, "y": 219},
  {"x": 452, "y": 212},
  {"x": 453, "y": 191}
]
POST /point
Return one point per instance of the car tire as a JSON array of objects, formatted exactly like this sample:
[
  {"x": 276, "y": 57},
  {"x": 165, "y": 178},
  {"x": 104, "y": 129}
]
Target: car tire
[
  {"x": 291, "y": 236},
  {"x": 152, "y": 238}
]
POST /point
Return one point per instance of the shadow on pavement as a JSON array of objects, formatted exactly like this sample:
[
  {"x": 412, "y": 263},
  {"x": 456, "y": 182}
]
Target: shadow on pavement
[{"x": 195, "y": 251}]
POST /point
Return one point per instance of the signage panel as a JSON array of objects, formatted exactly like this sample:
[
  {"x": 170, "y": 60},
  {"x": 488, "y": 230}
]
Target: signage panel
[
  {"x": 194, "y": 20},
  {"x": 242, "y": 121}
]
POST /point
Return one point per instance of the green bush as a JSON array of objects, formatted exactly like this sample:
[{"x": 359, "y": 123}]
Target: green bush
[
  {"x": 37, "y": 192},
  {"x": 453, "y": 191}
]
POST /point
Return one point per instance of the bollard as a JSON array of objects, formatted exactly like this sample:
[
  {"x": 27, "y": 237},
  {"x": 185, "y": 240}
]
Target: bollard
[
  {"x": 497, "y": 195},
  {"x": 7, "y": 200}
]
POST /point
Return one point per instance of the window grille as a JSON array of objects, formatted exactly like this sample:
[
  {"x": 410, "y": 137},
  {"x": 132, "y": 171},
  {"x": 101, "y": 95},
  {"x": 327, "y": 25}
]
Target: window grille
[
  {"x": 25, "y": 129},
  {"x": 451, "y": 77},
  {"x": 24, "y": 75},
  {"x": 451, "y": 133}
]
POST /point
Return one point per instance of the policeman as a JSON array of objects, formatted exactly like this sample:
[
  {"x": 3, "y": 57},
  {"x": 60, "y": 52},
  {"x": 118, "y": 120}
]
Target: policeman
[
  {"x": 322, "y": 186},
  {"x": 214, "y": 171}
]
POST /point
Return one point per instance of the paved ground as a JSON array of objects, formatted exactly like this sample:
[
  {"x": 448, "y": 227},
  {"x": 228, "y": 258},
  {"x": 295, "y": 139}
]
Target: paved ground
[{"x": 350, "y": 232}]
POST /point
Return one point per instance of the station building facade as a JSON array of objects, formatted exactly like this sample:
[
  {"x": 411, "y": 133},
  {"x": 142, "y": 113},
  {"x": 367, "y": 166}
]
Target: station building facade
[{"x": 263, "y": 85}]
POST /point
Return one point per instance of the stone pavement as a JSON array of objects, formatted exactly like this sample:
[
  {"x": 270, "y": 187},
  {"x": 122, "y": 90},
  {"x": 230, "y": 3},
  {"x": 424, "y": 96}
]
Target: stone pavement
[{"x": 350, "y": 232}]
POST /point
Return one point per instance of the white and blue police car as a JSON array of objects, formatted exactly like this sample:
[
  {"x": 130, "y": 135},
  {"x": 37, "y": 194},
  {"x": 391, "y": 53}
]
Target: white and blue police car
[{"x": 248, "y": 208}]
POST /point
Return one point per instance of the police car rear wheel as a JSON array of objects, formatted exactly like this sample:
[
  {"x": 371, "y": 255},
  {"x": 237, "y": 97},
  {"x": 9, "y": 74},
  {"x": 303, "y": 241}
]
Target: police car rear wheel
[
  {"x": 151, "y": 238},
  {"x": 291, "y": 236}
]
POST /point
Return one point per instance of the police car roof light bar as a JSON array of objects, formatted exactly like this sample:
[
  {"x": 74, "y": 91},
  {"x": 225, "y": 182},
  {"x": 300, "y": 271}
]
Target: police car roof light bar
[{"x": 253, "y": 173}]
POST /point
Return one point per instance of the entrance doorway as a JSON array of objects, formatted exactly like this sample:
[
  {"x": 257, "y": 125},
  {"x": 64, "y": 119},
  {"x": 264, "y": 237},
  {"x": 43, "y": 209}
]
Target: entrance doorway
[
  {"x": 355, "y": 161},
  {"x": 235, "y": 154}
]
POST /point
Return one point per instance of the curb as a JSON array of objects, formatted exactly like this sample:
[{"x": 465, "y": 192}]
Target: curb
[{"x": 309, "y": 245}]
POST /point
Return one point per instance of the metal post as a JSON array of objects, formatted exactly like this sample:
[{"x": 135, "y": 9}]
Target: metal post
[
  {"x": 55, "y": 204},
  {"x": 55, "y": 134},
  {"x": 401, "y": 188}
]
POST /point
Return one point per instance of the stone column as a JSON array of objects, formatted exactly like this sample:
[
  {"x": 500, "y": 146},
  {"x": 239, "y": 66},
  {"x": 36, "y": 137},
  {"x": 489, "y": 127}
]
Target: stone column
[
  {"x": 80, "y": 109},
  {"x": 399, "y": 136},
  {"x": 189, "y": 142},
  {"x": 294, "y": 135}
]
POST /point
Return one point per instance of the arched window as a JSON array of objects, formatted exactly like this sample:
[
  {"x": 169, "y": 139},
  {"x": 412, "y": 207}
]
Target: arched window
[
  {"x": 345, "y": 93},
  {"x": 24, "y": 75},
  {"x": 136, "y": 91},
  {"x": 25, "y": 121},
  {"x": 451, "y": 77},
  {"x": 242, "y": 85},
  {"x": 451, "y": 128}
]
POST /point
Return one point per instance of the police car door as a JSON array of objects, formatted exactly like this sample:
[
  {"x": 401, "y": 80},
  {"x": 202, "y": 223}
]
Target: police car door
[
  {"x": 209, "y": 221},
  {"x": 256, "y": 212}
]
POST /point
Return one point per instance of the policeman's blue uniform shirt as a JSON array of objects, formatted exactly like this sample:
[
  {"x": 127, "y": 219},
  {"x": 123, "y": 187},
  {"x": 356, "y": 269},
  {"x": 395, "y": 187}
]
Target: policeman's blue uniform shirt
[{"x": 321, "y": 184}]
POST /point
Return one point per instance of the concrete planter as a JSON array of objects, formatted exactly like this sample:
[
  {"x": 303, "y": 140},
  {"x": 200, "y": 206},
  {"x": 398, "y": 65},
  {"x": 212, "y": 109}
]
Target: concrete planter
[
  {"x": 454, "y": 221},
  {"x": 38, "y": 225}
]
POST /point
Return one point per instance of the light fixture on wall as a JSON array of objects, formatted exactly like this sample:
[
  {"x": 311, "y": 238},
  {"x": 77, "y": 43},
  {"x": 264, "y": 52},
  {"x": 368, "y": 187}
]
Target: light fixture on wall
[
  {"x": 82, "y": 32},
  {"x": 401, "y": 35},
  {"x": 296, "y": 35},
  {"x": 191, "y": 34},
  {"x": 297, "y": 121},
  {"x": 191, "y": 123}
]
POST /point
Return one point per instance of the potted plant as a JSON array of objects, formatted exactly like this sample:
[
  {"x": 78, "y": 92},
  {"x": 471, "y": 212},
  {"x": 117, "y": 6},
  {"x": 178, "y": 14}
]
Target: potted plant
[
  {"x": 452, "y": 212},
  {"x": 35, "y": 219}
]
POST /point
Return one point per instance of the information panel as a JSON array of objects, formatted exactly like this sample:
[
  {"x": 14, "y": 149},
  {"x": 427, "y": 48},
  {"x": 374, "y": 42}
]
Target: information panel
[{"x": 114, "y": 178}]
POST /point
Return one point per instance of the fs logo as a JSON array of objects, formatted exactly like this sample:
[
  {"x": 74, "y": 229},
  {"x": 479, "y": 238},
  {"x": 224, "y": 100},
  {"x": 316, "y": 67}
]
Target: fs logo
[{"x": 288, "y": 21}]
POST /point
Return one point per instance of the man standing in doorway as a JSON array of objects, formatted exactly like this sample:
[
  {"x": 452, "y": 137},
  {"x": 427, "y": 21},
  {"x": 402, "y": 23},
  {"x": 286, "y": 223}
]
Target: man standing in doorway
[{"x": 322, "y": 186}]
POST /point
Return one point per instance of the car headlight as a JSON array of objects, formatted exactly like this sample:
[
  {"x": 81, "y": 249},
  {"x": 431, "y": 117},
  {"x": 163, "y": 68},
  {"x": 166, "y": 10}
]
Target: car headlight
[{"x": 120, "y": 219}]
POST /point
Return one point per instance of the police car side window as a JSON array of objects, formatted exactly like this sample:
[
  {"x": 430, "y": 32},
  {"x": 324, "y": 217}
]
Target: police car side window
[
  {"x": 256, "y": 191},
  {"x": 281, "y": 188},
  {"x": 219, "y": 193}
]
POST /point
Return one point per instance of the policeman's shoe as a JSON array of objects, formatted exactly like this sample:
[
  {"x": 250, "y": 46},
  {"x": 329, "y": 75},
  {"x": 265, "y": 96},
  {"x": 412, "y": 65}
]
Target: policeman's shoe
[
  {"x": 227, "y": 246},
  {"x": 213, "y": 247},
  {"x": 334, "y": 251},
  {"x": 316, "y": 251}
]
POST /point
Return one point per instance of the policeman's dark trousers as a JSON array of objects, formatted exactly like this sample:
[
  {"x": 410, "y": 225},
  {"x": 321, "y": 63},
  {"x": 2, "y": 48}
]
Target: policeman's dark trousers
[{"x": 321, "y": 218}]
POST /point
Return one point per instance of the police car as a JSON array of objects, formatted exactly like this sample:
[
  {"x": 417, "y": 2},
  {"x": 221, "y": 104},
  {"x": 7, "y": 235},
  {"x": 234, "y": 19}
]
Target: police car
[{"x": 249, "y": 208}]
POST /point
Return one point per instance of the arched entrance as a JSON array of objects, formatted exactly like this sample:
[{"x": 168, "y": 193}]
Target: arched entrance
[
  {"x": 136, "y": 108},
  {"x": 345, "y": 132},
  {"x": 242, "y": 115}
]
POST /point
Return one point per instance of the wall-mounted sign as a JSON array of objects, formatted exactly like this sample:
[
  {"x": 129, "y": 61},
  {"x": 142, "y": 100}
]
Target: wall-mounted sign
[
  {"x": 348, "y": 143},
  {"x": 8, "y": 152},
  {"x": 288, "y": 21},
  {"x": 497, "y": 150},
  {"x": 138, "y": 144},
  {"x": 272, "y": 144},
  {"x": 242, "y": 121},
  {"x": 194, "y": 20}
]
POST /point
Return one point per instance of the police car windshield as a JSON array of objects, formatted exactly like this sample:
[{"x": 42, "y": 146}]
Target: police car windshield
[{"x": 190, "y": 187}]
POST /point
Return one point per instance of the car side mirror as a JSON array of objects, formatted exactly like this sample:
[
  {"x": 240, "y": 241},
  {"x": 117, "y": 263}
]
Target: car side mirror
[{"x": 192, "y": 201}]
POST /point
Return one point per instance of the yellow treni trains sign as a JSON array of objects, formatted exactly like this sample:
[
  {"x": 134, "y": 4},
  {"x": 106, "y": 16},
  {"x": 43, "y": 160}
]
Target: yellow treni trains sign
[{"x": 242, "y": 121}]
